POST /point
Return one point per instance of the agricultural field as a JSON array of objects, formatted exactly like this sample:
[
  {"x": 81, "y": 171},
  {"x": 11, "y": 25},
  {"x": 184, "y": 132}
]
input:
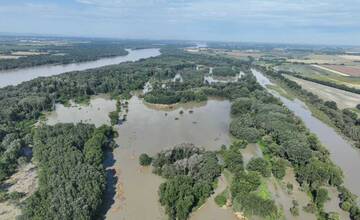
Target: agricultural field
[
  {"x": 320, "y": 74},
  {"x": 343, "y": 99},
  {"x": 345, "y": 70}
]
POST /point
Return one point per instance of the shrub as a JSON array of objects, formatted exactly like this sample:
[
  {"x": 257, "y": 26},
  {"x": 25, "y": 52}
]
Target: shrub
[{"x": 145, "y": 160}]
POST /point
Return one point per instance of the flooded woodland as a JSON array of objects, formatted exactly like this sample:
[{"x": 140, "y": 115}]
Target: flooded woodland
[
  {"x": 150, "y": 128},
  {"x": 132, "y": 191}
]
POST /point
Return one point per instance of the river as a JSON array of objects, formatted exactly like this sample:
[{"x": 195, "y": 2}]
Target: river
[
  {"x": 342, "y": 153},
  {"x": 17, "y": 76}
]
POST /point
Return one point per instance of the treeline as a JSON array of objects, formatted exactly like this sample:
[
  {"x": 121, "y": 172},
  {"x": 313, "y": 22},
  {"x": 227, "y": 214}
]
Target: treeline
[
  {"x": 64, "y": 54},
  {"x": 71, "y": 175},
  {"x": 345, "y": 120},
  {"x": 190, "y": 173},
  {"x": 167, "y": 96},
  {"x": 323, "y": 82}
]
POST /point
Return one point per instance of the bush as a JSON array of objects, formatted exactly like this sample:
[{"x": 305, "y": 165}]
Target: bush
[{"x": 145, "y": 160}]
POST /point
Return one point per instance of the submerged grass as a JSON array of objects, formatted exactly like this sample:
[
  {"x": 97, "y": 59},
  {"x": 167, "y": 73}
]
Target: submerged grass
[
  {"x": 263, "y": 190},
  {"x": 222, "y": 197}
]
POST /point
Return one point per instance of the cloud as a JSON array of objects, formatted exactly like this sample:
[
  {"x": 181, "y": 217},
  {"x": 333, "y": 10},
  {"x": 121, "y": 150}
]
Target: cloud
[{"x": 200, "y": 18}]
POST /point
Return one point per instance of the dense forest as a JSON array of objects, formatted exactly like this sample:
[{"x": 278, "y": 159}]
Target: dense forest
[
  {"x": 71, "y": 175},
  {"x": 345, "y": 120}
]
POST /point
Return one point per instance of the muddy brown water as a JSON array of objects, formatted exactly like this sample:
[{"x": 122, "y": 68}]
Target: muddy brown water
[
  {"x": 95, "y": 113},
  {"x": 133, "y": 190},
  {"x": 150, "y": 129},
  {"x": 341, "y": 151},
  {"x": 282, "y": 197}
]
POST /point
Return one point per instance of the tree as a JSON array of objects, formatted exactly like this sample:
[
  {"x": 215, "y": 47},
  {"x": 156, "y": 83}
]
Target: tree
[
  {"x": 278, "y": 168},
  {"x": 320, "y": 197},
  {"x": 233, "y": 160},
  {"x": 241, "y": 106},
  {"x": 259, "y": 165},
  {"x": 145, "y": 160}
]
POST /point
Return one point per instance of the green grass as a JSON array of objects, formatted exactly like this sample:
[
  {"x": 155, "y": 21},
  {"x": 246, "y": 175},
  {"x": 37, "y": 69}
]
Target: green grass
[{"x": 281, "y": 91}]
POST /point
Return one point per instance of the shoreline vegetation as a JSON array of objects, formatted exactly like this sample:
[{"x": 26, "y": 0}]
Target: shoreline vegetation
[{"x": 257, "y": 116}]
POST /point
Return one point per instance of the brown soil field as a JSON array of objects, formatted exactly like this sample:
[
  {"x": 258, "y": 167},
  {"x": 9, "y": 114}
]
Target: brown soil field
[{"x": 352, "y": 71}]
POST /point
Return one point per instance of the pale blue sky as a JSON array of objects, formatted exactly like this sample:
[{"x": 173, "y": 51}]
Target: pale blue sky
[{"x": 287, "y": 21}]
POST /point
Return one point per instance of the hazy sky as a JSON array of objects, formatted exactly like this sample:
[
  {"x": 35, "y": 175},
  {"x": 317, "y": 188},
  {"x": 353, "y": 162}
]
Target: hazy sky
[{"x": 292, "y": 21}]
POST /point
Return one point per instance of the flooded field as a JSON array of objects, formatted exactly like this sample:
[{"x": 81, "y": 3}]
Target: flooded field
[
  {"x": 149, "y": 129},
  {"x": 95, "y": 113},
  {"x": 284, "y": 197},
  {"x": 132, "y": 191}
]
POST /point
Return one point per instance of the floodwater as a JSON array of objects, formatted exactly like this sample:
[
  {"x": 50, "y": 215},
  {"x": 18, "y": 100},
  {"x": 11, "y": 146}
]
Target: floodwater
[
  {"x": 17, "y": 76},
  {"x": 97, "y": 112},
  {"x": 210, "y": 210},
  {"x": 342, "y": 152},
  {"x": 149, "y": 129},
  {"x": 282, "y": 197}
]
